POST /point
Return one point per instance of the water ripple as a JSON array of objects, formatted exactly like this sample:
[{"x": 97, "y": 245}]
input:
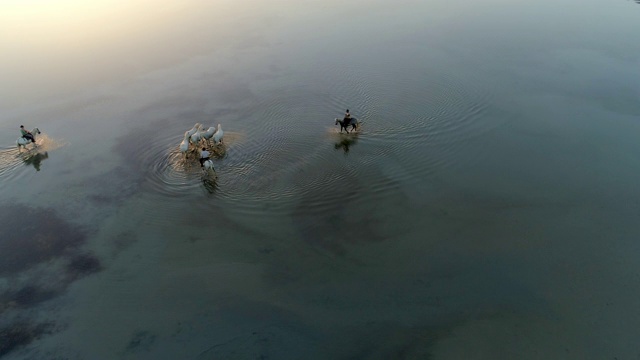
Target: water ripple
[
  {"x": 168, "y": 171},
  {"x": 427, "y": 120},
  {"x": 12, "y": 160},
  {"x": 282, "y": 148}
]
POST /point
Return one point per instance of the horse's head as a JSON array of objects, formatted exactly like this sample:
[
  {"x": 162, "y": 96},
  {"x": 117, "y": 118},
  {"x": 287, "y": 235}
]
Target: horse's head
[
  {"x": 36, "y": 131},
  {"x": 337, "y": 121}
]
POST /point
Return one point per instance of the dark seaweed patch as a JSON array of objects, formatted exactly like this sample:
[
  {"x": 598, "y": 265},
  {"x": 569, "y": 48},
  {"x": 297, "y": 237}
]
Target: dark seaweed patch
[
  {"x": 82, "y": 265},
  {"x": 30, "y": 236},
  {"x": 266, "y": 250},
  {"x": 142, "y": 340},
  {"x": 20, "y": 334},
  {"x": 101, "y": 199},
  {"x": 339, "y": 224},
  {"x": 335, "y": 227},
  {"x": 123, "y": 240},
  {"x": 25, "y": 297},
  {"x": 41, "y": 257}
]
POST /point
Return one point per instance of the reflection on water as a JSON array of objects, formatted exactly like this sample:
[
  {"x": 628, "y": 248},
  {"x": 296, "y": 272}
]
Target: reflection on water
[
  {"x": 346, "y": 141},
  {"x": 35, "y": 159},
  {"x": 210, "y": 182}
]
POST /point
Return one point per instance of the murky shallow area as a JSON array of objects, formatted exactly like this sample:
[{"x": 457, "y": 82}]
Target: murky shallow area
[{"x": 486, "y": 207}]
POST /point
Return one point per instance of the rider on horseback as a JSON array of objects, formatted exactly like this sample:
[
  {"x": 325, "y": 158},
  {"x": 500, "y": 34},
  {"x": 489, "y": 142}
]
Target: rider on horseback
[
  {"x": 347, "y": 118},
  {"x": 204, "y": 156},
  {"x": 27, "y": 134}
]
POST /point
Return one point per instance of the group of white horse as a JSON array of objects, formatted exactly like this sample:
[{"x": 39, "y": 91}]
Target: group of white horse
[
  {"x": 198, "y": 135},
  {"x": 22, "y": 142}
]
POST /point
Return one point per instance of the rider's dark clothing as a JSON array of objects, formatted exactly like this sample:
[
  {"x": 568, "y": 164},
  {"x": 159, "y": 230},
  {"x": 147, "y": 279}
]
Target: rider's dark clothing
[
  {"x": 204, "y": 156},
  {"x": 27, "y": 135}
]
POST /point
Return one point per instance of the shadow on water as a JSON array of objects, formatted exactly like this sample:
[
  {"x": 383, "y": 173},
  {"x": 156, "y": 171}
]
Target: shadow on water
[
  {"x": 41, "y": 256},
  {"x": 346, "y": 141},
  {"x": 35, "y": 159}
]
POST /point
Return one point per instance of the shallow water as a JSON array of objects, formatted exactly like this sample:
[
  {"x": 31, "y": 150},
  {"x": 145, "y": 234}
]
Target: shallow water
[{"x": 486, "y": 208}]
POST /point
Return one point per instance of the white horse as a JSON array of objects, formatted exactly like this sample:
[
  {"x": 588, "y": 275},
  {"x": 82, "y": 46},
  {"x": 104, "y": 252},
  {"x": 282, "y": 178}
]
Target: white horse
[
  {"x": 208, "y": 134},
  {"x": 184, "y": 145},
  {"x": 24, "y": 141},
  {"x": 217, "y": 137},
  {"x": 208, "y": 166},
  {"x": 194, "y": 129},
  {"x": 197, "y": 136}
]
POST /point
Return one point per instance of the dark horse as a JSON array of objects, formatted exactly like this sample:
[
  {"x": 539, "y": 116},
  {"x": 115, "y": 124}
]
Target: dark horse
[{"x": 344, "y": 124}]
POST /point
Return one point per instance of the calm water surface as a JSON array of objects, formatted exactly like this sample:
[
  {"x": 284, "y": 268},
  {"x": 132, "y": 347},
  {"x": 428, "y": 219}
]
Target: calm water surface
[{"x": 487, "y": 208}]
